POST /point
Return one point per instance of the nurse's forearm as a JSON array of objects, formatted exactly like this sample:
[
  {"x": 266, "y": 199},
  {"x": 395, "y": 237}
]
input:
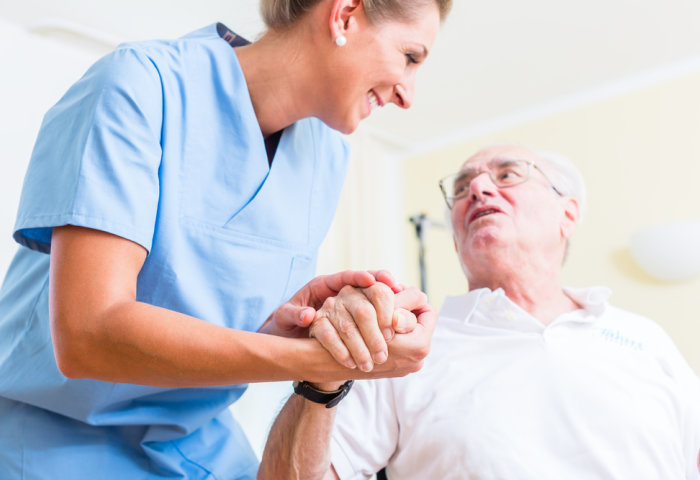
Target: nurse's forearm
[
  {"x": 100, "y": 331},
  {"x": 143, "y": 344},
  {"x": 138, "y": 343}
]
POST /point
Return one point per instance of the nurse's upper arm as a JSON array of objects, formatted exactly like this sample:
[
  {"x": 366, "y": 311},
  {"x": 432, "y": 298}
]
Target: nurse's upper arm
[
  {"x": 97, "y": 158},
  {"x": 91, "y": 271}
]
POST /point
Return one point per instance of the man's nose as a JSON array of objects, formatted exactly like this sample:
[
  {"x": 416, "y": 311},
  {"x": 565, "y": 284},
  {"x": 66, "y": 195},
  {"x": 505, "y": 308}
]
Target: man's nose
[{"x": 482, "y": 185}]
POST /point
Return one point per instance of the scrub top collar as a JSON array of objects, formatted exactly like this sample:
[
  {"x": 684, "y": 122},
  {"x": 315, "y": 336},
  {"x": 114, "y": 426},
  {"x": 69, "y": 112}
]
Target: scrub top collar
[
  {"x": 230, "y": 36},
  {"x": 235, "y": 40}
]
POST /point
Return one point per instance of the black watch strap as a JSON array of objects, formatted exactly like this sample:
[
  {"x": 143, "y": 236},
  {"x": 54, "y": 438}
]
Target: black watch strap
[{"x": 329, "y": 399}]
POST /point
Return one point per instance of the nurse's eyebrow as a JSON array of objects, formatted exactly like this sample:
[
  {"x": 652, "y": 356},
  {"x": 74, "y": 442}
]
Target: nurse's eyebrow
[
  {"x": 424, "y": 51},
  {"x": 417, "y": 50}
]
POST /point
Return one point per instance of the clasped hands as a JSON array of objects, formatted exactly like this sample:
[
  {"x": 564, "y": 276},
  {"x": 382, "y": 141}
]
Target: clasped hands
[{"x": 356, "y": 316}]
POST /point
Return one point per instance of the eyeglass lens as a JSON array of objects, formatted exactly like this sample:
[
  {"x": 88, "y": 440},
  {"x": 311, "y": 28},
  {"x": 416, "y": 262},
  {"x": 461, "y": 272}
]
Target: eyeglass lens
[{"x": 503, "y": 173}]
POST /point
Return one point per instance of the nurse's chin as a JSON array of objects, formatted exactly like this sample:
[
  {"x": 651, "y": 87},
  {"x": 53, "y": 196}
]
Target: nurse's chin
[
  {"x": 343, "y": 125},
  {"x": 345, "y": 129}
]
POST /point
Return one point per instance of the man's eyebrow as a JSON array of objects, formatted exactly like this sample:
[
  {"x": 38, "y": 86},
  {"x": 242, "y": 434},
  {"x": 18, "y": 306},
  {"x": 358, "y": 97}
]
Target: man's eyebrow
[
  {"x": 505, "y": 160},
  {"x": 465, "y": 172}
]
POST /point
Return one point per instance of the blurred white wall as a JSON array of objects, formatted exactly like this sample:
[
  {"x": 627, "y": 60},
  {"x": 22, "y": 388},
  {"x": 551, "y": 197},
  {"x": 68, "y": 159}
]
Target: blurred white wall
[{"x": 36, "y": 72}]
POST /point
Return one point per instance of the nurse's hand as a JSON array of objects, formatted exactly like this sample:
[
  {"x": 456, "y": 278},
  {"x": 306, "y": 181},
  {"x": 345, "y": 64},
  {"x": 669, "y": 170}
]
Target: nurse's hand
[
  {"x": 356, "y": 325},
  {"x": 294, "y": 317},
  {"x": 407, "y": 352}
]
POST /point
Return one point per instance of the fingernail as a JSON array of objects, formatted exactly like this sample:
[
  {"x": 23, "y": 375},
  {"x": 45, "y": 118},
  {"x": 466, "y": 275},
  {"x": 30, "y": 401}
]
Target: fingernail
[
  {"x": 380, "y": 357},
  {"x": 388, "y": 334},
  {"x": 366, "y": 367}
]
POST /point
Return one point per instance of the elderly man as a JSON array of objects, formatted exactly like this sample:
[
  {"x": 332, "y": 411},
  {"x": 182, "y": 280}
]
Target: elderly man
[{"x": 525, "y": 379}]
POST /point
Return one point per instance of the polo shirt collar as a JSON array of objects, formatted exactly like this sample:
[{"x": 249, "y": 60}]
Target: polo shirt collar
[{"x": 492, "y": 308}]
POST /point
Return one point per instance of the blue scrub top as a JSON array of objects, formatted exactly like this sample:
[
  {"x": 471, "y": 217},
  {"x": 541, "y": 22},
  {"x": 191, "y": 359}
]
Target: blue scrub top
[{"x": 158, "y": 143}]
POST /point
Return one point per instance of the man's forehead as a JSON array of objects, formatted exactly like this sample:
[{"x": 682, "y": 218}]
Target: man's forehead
[{"x": 510, "y": 151}]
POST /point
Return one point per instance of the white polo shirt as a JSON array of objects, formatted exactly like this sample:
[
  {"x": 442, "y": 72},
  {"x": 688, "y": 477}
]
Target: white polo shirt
[{"x": 600, "y": 393}]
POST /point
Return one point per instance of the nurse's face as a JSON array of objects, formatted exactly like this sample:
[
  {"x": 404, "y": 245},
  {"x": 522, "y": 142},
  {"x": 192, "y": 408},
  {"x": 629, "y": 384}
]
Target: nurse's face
[{"x": 378, "y": 66}]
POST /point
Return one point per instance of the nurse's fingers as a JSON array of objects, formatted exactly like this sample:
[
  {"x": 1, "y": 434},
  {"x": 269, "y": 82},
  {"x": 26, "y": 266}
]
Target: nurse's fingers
[
  {"x": 289, "y": 317},
  {"x": 326, "y": 286},
  {"x": 388, "y": 279},
  {"x": 411, "y": 299},
  {"x": 407, "y": 352},
  {"x": 404, "y": 321},
  {"x": 427, "y": 318},
  {"x": 407, "y": 303},
  {"x": 322, "y": 330}
]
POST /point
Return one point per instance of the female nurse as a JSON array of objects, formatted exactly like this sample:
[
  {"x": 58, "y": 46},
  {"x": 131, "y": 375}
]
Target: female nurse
[{"x": 175, "y": 199}]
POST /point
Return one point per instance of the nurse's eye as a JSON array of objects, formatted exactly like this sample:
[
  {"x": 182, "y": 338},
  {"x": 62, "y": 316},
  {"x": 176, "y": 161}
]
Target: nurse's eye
[{"x": 411, "y": 58}]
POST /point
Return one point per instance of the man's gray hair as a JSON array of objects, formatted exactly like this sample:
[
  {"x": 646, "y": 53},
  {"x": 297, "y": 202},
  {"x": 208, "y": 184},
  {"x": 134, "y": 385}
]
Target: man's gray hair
[{"x": 565, "y": 176}]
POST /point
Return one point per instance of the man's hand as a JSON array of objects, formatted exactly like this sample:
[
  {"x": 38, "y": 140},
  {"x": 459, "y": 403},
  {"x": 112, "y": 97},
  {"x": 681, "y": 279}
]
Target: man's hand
[
  {"x": 294, "y": 317},
  {"x": 407, "y": 351},
  {"x": 353, "y": 314},
  {"x": 356, "y": 325}
]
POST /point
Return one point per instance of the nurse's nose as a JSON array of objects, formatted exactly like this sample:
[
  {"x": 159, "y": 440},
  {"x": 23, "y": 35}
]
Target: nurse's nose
[{"x": 403, "y": 95}]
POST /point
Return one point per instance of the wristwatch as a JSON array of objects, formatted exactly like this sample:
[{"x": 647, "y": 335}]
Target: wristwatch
[{"x": 329, "y": 399}]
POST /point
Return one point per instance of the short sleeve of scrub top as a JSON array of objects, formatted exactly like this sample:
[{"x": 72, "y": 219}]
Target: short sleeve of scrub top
[{"x": 96, "y": 160}]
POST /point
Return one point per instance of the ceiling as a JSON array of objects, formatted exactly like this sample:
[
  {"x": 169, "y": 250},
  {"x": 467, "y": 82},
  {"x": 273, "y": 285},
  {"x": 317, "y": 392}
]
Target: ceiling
[{"x": 494, "y": 62}]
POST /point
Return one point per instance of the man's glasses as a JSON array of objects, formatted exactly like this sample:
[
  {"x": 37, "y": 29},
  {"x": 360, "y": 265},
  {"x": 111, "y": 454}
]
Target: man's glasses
[{"x": 504, "y": 172}]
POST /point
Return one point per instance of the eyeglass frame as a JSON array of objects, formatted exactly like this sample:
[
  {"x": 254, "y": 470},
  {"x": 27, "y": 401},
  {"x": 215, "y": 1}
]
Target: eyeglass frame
[{"x": 529, "y": 163}]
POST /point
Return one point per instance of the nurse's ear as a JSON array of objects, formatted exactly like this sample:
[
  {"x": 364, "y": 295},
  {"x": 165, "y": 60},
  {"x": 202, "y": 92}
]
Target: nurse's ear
[{"x": 343, "y": 19}]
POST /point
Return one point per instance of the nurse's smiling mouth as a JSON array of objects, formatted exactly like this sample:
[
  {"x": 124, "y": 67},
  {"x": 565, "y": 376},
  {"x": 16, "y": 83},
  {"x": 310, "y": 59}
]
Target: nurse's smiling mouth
[{"x": 374, "y": 100}]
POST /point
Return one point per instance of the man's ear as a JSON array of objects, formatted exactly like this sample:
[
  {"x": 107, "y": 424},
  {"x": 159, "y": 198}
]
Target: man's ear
[
  {"x": 342, "y": 16},
  {"x": 570, "y": 218}
]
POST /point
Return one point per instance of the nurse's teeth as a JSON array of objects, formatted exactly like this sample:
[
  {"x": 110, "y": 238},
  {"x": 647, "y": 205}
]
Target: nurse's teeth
[{"x": 372, "y": 99}]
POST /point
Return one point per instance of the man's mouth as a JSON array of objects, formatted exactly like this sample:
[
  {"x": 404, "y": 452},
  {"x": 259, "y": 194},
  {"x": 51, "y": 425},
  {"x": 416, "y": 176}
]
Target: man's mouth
[{"x": 483, "y": 212}]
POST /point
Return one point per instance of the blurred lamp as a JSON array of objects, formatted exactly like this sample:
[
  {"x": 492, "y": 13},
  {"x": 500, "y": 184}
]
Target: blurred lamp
[{"x": 669, "y": 252}]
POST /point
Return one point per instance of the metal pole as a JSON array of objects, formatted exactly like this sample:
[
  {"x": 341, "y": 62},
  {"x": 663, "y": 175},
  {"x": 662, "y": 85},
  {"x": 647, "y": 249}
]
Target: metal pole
[{"x": 420, "y": 222}]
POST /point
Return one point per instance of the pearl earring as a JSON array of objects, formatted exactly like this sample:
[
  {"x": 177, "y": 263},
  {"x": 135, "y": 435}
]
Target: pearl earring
[{"x": 340, "y": 40}]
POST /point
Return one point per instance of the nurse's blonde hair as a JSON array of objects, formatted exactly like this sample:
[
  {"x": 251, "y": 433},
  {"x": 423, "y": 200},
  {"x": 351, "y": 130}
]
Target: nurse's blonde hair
[{"x": 281, "y": 14}]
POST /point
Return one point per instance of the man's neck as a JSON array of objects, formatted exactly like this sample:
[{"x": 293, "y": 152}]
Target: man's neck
[{"x": 536, "y": 290}]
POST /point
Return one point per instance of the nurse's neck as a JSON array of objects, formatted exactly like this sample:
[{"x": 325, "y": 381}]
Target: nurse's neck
[{"x": 282, "y": 79}]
